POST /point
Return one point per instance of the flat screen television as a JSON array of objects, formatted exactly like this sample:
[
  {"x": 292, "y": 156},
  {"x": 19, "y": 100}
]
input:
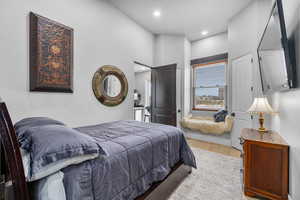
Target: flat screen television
[{"x": 275, "y": 51}]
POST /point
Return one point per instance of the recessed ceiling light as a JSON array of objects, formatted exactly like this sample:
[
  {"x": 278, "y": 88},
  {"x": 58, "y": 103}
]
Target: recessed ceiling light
[
  {"x": 204, "y": 32},
  {"x": 156, "y": 13}
]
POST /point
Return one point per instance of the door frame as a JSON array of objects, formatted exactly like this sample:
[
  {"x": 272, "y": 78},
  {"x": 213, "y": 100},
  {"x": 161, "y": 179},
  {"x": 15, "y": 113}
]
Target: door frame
[
  {"x": 231, "y": 93},
  {"x": 139, "y": 63},
  {"x": 148, "y": 66}
]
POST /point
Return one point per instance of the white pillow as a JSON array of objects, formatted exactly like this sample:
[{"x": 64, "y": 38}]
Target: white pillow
[
  {"x": 61, "y": 164},
  {"x": 26, "y": 162},
  {"x": 53, "y": 167},
  {"x": 50, "y": 188}
]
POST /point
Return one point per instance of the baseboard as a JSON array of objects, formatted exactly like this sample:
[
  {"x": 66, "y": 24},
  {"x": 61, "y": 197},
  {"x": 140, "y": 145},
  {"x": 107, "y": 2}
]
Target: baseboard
[{"x": 208, "y": 138}]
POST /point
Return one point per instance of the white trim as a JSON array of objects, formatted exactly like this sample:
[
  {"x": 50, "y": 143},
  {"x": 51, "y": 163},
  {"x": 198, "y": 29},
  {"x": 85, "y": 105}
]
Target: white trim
[
  {"x": 192, "y": 88},
  {"x": 206, "y": 65},
  {"x": 217, "y": 139},
  {"x": 290, "y": 198}
]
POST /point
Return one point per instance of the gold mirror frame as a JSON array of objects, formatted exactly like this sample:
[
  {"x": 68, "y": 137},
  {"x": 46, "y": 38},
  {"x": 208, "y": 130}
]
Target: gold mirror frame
[{"x": 98, "y": 88}]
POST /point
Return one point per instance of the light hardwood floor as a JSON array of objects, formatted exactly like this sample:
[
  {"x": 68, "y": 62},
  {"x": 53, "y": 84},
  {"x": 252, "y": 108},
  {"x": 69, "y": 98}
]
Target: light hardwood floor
[{"x": 217, "y": 148}]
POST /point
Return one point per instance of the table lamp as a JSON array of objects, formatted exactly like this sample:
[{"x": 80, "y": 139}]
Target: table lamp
[{"x": 261, "y": 106}]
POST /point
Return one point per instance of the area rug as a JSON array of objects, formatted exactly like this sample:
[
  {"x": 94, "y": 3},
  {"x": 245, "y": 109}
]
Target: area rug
[{"x": 217, "y": 178}]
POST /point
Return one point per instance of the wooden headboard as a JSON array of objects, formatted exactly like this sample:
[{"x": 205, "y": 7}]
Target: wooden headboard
[{"x": 11, "y": 156}]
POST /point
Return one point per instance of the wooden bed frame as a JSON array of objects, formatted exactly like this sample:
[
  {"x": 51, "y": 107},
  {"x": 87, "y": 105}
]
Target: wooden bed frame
[{"x": 12, "y": 166}]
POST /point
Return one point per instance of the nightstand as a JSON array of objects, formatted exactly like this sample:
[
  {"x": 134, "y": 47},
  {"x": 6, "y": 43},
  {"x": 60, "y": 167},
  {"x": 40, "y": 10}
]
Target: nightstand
[{"x": 265, "y": 164}]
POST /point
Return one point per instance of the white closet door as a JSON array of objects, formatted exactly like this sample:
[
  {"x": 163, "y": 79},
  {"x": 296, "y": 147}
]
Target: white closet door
[{"x": 242, "y": 96}]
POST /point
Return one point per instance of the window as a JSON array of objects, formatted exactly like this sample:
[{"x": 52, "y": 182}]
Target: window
[{"x": 209, "y": 86}]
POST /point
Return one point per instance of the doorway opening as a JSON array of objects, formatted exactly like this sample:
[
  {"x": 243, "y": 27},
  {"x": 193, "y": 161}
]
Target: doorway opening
[{"x": 142, "y": 92}]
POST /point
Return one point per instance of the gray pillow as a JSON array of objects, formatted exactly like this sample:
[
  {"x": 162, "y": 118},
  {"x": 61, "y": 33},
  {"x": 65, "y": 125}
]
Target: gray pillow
[
  {"x": 220, "y": 116},
  {"x": 53, "y": 147},
  {"x": 22, "y": 126}
]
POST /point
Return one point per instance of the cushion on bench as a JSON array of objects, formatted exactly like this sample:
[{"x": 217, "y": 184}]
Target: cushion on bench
[{"x": 207, "y": 124}]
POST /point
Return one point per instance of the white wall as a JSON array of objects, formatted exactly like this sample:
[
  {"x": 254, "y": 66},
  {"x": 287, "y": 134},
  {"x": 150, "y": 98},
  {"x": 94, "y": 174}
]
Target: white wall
[
  {"x": 210, "y": 46},
  {"x": 244, "y": 34},
  {"x": 214, "y": 45},
  {"x": 245, "y": 31},
  {"x": 187, "y": 78},
  {"x": 288, "y": 105},
  {"x": 102, "y": 35},
  {"x": 170, "y": 49},
  {"x": 140, "y": 78}
]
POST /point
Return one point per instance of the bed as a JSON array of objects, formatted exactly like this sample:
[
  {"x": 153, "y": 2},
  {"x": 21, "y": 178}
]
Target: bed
[{"x": 133, "y": 158}]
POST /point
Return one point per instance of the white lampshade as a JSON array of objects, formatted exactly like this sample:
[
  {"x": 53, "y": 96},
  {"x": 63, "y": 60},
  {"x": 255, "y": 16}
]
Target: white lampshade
[{"x": 261, "y": 105}]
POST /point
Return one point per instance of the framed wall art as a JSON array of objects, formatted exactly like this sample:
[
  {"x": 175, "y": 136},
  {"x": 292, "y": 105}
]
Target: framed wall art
[{"x": 51, "y": 55}]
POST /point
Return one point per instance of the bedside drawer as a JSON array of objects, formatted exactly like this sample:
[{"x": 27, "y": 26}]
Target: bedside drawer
[{"x": 265, "y": 165}]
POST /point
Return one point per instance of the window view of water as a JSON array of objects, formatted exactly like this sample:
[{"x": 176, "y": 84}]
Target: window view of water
[{"x": 209, "y": 86}]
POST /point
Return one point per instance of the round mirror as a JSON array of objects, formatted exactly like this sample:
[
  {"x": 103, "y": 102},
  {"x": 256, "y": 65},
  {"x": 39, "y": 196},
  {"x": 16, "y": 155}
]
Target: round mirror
[{"x": 110, "y": 85}]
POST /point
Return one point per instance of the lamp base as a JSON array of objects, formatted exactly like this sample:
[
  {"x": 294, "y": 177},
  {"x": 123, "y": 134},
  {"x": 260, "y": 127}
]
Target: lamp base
[
  {"x": 261, "y": 120},
  {"x": 262, "y": 130}
]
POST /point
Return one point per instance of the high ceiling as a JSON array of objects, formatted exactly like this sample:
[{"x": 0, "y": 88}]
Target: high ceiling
[{"x": 188, "y": 17}]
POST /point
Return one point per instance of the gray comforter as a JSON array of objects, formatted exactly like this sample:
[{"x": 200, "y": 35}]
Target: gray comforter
[{"x": 137, "y": 154}]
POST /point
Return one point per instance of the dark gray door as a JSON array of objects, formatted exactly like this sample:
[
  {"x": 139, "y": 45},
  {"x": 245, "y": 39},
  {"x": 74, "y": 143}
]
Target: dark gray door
[{"x": 163, "y": 84}]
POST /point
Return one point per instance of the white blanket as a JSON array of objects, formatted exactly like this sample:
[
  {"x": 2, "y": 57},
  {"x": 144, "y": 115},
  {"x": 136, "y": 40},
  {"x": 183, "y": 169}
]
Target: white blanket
[{"x": 207, "y": 124}]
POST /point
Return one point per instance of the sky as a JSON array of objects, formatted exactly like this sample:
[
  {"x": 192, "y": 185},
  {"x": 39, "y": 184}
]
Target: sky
[{"x": 209, "y": 76}]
